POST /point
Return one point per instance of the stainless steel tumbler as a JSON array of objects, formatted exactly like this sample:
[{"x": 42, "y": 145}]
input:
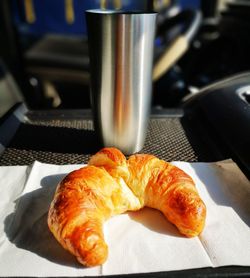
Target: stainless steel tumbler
[{"x": 121, "y": 58}]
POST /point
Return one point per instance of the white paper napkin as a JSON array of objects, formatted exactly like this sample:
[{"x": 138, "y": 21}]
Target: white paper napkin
[{"x": 142, "y": 241}]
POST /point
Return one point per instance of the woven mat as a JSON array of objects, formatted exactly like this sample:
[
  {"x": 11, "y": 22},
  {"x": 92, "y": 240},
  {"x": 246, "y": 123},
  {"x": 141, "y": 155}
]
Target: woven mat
[{"x": 73, "y": 141}]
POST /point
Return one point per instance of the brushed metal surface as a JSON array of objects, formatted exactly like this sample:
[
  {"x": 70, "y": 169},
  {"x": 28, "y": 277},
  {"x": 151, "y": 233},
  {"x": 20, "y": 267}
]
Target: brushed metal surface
[{"x": 121, "y": 58}]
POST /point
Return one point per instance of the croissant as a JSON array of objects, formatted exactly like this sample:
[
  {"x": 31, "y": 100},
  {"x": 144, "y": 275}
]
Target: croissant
[{"x": 112, "y": 185}]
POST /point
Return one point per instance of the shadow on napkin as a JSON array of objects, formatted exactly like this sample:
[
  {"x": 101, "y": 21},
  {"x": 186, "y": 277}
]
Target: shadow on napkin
[
  {"x": 155, "y": 221},
  {"x": 27, "y": 226}
]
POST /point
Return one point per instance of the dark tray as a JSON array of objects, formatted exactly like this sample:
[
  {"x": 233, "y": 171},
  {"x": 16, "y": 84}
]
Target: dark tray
[
  {"x": 64, "y": 137},
  {"x": 68, "y": 137}
]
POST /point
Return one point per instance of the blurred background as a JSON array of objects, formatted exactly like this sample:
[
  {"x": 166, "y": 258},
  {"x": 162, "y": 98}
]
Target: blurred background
[{"x": 44, "y": 51}]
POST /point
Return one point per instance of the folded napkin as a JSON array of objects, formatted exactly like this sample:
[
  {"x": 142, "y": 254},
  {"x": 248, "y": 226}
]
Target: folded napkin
[{"x": 142, "y": 241}]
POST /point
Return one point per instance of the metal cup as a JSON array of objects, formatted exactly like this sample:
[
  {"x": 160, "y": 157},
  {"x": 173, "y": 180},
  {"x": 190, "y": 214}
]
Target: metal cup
[{"x": 121, "y": 58}]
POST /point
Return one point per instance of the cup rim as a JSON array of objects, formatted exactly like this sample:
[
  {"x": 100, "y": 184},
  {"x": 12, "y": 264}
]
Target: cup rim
[{"x": 110, "y": 12}]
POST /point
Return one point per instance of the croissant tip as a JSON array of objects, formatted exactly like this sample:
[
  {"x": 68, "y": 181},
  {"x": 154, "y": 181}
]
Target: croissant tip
[{"x": 95, "y": 257}]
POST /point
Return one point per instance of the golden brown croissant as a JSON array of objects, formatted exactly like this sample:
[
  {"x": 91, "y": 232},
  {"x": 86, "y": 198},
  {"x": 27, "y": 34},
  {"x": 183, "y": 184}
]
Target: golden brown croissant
[{"x": 111, "y": 185}]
